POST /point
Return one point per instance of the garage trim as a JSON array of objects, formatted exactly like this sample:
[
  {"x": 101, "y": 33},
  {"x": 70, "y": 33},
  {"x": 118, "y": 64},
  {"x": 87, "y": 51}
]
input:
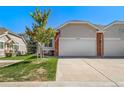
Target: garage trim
[{"x": 79, "y": 38}]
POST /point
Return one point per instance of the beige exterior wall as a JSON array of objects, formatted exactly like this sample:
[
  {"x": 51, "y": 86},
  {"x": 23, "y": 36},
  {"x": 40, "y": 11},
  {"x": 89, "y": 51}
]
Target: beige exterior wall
[
  {"x": 115, "y": 31},
  {"x": 114, "y": 40},
  {"x": 3, "y": 39},
  {"x": 22, "y": 45},
  {"x": 78, "y": 30}
]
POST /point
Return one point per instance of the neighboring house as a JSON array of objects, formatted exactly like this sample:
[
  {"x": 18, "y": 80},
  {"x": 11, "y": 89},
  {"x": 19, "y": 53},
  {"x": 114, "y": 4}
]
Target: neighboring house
[
  {"x": 10, "y": 42},
  {"x": 82, "y": 38}
]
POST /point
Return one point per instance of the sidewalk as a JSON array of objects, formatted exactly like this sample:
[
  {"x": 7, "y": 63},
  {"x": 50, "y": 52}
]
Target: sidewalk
[{"x": 60, "y": 84}]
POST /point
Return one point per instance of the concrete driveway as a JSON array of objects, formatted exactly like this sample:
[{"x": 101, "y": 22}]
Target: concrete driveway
[{"x": 109, "y": 72}]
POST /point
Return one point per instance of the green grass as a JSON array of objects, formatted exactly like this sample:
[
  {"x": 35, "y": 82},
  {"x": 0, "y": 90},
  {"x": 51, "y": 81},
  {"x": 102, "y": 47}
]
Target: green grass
[
  {"x": 24, "y": 57},
  {"x": 31, "y": 69}
]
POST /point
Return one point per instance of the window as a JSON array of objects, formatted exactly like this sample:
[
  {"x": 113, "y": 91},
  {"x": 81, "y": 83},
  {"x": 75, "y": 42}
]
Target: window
[
  {"x": 15, "y": 47},
  {"x": 50, "y": 43},
  {"x": 1, "y": 45}
]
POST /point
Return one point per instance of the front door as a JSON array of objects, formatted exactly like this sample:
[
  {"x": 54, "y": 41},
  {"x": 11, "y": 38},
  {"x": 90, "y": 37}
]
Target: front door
[{"x": 100, "y": 45}]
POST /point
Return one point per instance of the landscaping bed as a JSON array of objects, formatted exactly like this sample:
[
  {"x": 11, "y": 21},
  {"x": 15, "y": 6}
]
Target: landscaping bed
[{"x": 31, "y": 69}]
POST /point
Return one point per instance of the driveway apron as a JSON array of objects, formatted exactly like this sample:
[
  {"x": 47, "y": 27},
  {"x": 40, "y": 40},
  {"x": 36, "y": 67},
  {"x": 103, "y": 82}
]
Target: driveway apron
[{"x": 75, "y": 69}]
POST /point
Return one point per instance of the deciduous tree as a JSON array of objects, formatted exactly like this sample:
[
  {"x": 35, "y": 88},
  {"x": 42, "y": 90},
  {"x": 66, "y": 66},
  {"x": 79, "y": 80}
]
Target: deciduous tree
[{"x": 39, "y": 32}]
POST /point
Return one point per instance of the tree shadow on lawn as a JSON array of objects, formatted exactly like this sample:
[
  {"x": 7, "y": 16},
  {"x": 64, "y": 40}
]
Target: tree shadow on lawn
[
  {"x": 26, "y": 61},
  {"x": 23, "y": 71},
  {"x": 29, "y": 70},
  {"x": 32, "y": 57}
]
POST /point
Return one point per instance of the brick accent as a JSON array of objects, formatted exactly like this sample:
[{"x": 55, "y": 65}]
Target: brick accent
[
  {"x": 100, "y": 44},
  {"x": 56, "y": 43}
]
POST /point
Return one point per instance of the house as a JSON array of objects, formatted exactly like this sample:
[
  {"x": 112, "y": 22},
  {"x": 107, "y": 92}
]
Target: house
[
  {"x": 83, "y": 38},
  {"x": 11, "y": 43}
]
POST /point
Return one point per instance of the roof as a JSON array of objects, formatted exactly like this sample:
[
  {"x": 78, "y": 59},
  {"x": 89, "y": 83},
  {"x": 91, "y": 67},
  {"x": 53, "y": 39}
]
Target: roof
[
  {"x": 97, "y": 26},
  {"x": 77, "y": 21},
  {"x": 114, "y": 22},
  {"x": 100, "y": 26},
  {"x": 3, "y": 32}
]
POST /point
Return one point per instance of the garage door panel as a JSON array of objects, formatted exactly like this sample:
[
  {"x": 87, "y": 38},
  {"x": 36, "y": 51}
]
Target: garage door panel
[
  {"x": 114, "y": 48},
  {"x": 77, "y": 47}
]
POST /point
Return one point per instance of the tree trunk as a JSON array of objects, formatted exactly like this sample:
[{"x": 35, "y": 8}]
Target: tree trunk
[
  {"x": 37, "y": 50},
  {"x": 41, "y": 50}
]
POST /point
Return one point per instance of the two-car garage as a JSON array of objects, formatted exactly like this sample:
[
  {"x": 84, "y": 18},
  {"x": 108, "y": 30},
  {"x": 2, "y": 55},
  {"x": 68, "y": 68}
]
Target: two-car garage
[
  {"x": 87, "y": 47},
  {"x": 77, "y": 47},
  {"x": 80, "y": 39}
]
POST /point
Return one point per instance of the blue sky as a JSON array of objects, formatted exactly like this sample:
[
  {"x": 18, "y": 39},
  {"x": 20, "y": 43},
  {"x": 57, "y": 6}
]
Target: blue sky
[{"x": 16, "y": 18}]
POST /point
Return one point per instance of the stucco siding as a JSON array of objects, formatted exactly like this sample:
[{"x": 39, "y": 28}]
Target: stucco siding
[
  {"x": 115, "y": 31},
  {"x": 78, "y": 30}
]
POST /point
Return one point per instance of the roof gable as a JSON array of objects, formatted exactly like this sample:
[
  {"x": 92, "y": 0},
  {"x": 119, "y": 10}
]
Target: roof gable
[
  {"x": 113, "y": 23},
  {"x": 77, "y": 21},
  {"x": 5, "y": 32}
]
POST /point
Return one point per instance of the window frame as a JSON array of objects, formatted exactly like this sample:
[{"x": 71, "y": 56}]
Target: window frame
[
  {"x": 16, "y": 45},
  {"x": 46, "y": 46},
  {"x": 3, "y": 44}
]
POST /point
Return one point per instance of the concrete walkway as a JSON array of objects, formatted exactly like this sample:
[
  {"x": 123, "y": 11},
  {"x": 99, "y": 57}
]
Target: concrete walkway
[
  {"x": 91, "y": 70},
  {"x": 4, "y": 63}
]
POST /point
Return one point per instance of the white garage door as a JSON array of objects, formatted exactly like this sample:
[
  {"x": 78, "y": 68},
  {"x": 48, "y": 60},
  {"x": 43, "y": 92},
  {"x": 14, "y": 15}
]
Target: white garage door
[
  {"x": 77, "y": 47},
  {"x": 113, "y": 47}
]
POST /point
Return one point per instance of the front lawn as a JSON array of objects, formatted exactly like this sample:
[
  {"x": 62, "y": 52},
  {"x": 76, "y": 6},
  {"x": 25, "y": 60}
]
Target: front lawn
[
  {"x": 23, "y": 57},
  {"x": 31, "y": 69}
]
